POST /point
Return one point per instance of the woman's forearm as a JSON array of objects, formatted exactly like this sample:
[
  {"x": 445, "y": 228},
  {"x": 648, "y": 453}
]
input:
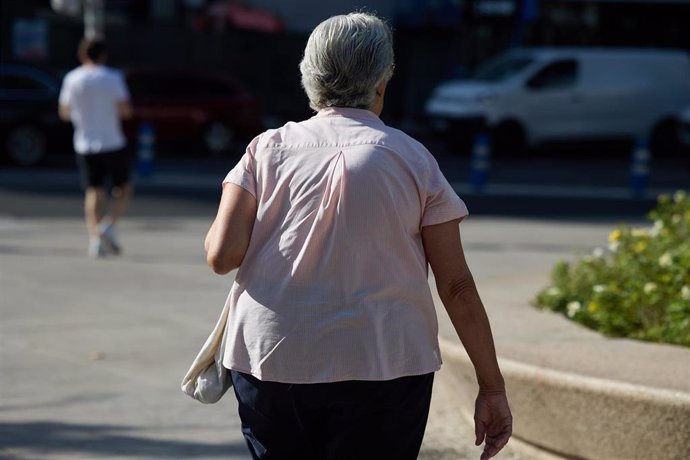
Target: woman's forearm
[
  {"x": 459, "y": 295},
  {"x": 467, "y": 313}
]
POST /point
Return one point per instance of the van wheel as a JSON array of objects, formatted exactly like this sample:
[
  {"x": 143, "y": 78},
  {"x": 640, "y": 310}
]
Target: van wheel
[
  {"x": 664, "y": 141},
  {"x": 508, "y": 139}
]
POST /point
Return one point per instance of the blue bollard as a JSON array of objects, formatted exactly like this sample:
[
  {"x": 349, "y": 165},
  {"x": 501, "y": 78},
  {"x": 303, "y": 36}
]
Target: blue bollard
[
  {"x": 146, "y": 152},
  {"x": 639, "y": 168},
  {"x": 481, "y": 160}
]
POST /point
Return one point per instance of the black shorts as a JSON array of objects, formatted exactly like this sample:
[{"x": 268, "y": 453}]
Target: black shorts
[{"x": 111, "y": 168}]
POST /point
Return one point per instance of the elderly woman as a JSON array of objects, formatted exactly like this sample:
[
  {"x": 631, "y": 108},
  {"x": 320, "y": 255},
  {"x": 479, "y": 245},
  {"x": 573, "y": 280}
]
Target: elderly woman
[{"x": 332, "y": 335}]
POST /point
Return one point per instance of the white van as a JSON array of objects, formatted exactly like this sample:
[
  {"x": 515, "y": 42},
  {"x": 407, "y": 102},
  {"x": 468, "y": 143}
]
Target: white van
[{"x": 534, "y": 95}]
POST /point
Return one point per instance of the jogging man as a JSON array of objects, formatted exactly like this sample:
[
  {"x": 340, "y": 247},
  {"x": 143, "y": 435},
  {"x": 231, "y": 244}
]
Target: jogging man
[{"x": 95, "y": 99}]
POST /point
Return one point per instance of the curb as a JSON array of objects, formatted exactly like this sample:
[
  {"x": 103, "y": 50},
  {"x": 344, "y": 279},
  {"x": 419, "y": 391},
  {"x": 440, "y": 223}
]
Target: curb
[
  {"x": 561, "y": 191},
  {"x": 581, "y": 417}
]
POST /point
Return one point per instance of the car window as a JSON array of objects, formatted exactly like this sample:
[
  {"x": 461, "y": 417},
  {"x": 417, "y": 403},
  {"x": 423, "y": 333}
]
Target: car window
[
  {"x": 501, "y": 68},
  {"x": 558, "y": 74}
]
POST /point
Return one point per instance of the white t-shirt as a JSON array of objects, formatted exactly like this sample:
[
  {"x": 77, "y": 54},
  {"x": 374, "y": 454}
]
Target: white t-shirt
[
  {"x": 92, "y": 94},
  {"x": 334, "y": 282}
]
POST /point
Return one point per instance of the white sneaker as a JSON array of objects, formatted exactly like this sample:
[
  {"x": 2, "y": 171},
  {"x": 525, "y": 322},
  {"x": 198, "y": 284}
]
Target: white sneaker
[
  {"x": 109, "y": 239},
  {"x": 96, "y": 249}
]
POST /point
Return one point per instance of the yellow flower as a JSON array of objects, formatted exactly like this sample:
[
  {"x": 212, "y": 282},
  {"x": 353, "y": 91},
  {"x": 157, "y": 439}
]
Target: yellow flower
[
  {"x": 639, "y": 232},
  {"x": 640, "y": 246},
  {"x": 592, "y": 307},
  {"x": 649, "y": 288},
  {"x": 679, "y": 196},
  {"x": 615, "y": 235}
]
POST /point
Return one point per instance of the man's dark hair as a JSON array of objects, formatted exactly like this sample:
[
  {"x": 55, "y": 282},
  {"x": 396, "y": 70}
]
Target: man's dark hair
[{"x": 92, "y": 49}]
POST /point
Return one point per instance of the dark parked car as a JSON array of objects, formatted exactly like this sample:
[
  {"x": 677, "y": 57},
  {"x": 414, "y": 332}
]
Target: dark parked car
[
  {"x": 212, "y": 110},
  {"x": 29, "y": 122}
]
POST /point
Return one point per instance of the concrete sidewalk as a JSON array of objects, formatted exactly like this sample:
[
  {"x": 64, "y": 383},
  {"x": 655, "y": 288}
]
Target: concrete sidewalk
[{"x": 92, "y": 351}]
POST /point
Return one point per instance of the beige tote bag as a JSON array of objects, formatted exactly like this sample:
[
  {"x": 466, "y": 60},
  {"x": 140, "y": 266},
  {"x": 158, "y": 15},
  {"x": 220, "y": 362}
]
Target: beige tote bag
[{"x": 207, "y": 380}]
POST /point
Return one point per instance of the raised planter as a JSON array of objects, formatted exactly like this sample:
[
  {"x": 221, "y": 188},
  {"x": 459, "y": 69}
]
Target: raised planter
[{"x": 582, "y": 417}]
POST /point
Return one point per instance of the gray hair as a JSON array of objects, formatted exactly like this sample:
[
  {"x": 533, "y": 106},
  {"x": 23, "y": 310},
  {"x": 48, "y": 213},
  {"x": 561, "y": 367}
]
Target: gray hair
[{"x": 346, "y": 57}]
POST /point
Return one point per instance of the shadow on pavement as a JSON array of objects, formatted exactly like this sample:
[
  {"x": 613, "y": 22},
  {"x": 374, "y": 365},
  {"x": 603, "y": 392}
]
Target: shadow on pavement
[{"x": 65, "y": 438}]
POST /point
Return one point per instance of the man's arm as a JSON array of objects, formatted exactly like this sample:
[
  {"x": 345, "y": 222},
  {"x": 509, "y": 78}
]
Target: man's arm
[
  {"x": 64, "y": 99},
  {"x": 122, "y": 95},
  {"x": 124, "y": 110},
  {"x": 458, "y": 292},
  {"x": 64, "y": 112},
  {"x": 228, "y": 238}
]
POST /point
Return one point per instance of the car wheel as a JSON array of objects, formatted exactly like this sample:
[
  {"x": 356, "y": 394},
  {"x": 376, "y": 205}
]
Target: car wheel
[
  {"x": 664, "y": 140},
  {"x": 508, "y": 139},
  {"x": 218, "y": 138},
  {"x": 26, "y": 145}
]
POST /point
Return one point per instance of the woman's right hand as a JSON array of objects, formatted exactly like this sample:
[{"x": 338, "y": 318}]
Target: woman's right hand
[{"x": 493, "y": 422}]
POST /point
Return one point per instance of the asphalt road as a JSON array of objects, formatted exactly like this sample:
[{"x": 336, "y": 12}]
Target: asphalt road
[{"x": 570, "y": 183}]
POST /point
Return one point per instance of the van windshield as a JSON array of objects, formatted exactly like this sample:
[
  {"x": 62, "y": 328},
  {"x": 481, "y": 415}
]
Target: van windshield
[{"x": 501, "y": 68}]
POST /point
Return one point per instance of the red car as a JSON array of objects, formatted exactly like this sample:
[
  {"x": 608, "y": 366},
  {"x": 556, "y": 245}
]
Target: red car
[
  {"x": 212, "y": 110},
  {"x": 233, "y": 14}
]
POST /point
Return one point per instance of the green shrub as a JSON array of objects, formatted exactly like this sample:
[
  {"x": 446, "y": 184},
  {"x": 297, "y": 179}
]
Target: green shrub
[{"x": 639, "y": 287}]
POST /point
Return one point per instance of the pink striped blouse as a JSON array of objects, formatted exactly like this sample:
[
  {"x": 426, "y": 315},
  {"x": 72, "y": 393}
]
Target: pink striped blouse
[{"x": 334, "y": 283}]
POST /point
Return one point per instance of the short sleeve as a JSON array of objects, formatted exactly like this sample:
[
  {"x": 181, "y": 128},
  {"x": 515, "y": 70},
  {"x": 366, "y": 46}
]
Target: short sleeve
[
  {"x": 442, "y": 204},
  {"x": 121, "y": 90},
  {"x": 244, "y": 172}
]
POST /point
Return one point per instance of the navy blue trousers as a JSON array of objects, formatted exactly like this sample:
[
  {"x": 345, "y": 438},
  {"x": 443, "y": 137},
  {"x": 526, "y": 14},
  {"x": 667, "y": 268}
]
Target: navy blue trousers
[{"x": 351, "y": 420}]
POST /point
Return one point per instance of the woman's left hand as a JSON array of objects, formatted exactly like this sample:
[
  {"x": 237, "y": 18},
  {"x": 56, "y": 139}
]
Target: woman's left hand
[{"x": 493, "y": 422}]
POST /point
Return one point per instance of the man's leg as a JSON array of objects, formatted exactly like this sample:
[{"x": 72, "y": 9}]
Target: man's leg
[
  {"x": 92, "y": 178},
  {"x": 94, "y": 202},
  {"x": 121, "y": 196},
  {"x": 122, "y": 191},
  {"x": 93, "y": 209}
]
